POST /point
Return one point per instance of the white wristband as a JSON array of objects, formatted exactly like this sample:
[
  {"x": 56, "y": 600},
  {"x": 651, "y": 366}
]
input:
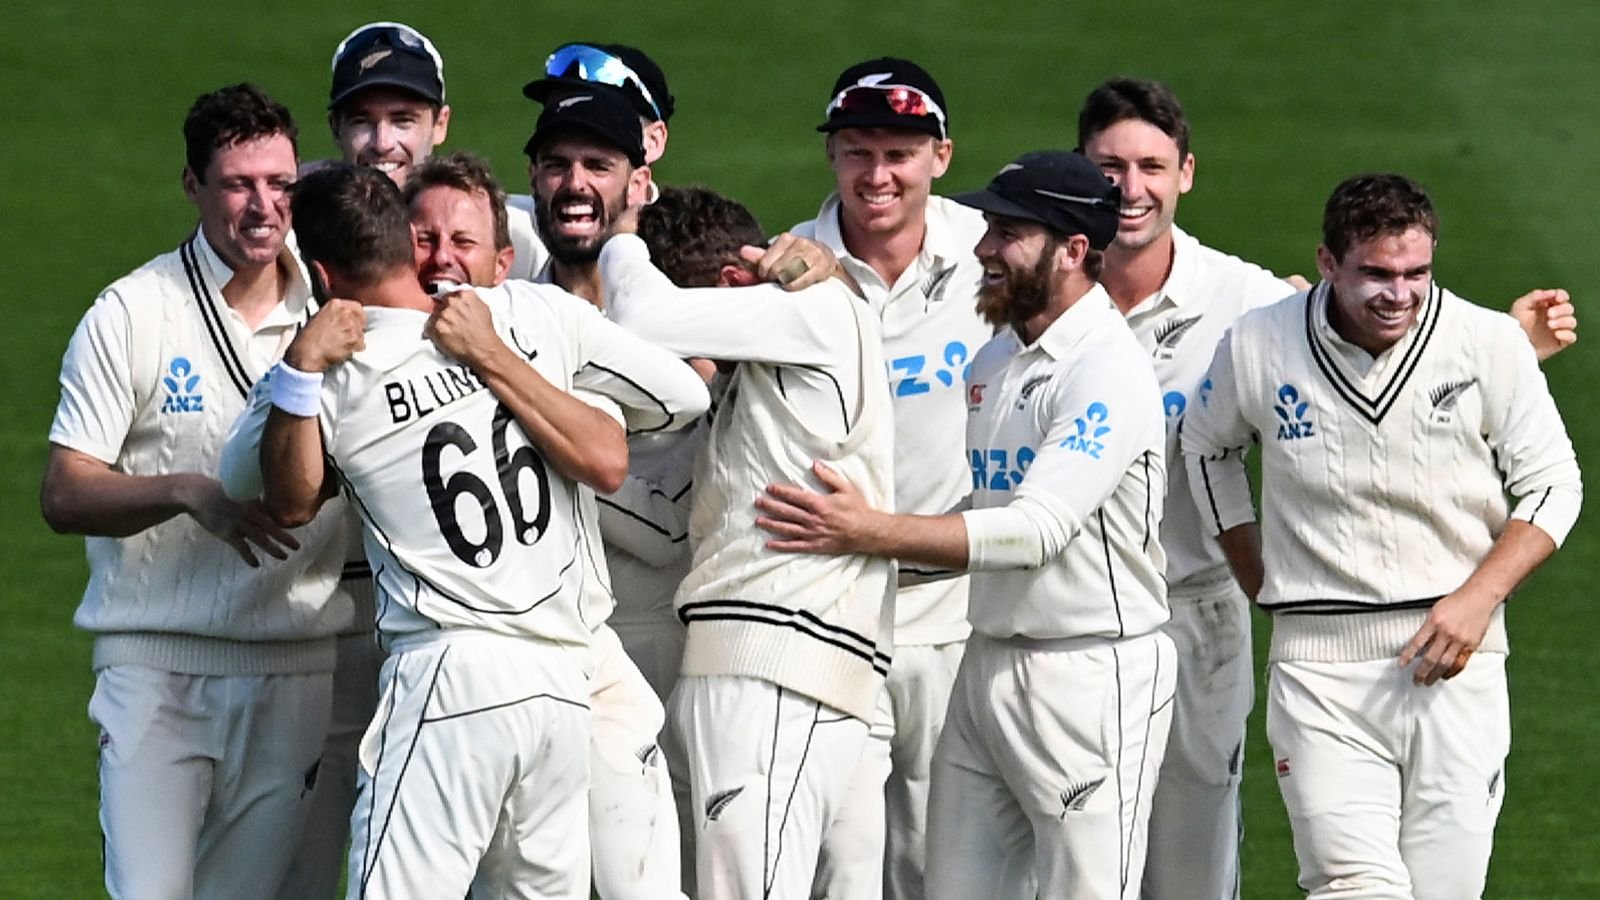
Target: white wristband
[{"x": 295, "y": 392}]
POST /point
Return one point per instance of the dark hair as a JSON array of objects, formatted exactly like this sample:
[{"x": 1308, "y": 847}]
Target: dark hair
[
  {"x": 1372, "y": 205},
  {"x": 353, "y": 221},
  {"x": 1094, "y": 262},
  {"x": 469, "y": 174},
  {"x": 693, "y": 232},
  {"x": 1121, "y": 99},
  {"x": 231, "y": 115}
]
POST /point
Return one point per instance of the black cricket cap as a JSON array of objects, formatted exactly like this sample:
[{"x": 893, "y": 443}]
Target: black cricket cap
[
  {"x": 387, "y": 54},
  {"x": 866, "y": 113},
  {"x": 1061, "y": 190},
  {"x": 598, "y": 109}
]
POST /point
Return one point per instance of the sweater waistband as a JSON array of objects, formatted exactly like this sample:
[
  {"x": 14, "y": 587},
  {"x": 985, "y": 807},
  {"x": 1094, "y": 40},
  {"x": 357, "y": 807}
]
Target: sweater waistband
[
  {"x": 1361, "y": 636},
  {"x": 192, "y": 654}
]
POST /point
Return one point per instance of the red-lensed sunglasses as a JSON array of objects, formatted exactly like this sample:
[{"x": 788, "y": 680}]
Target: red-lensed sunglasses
[{"x": 901, "y": 99}]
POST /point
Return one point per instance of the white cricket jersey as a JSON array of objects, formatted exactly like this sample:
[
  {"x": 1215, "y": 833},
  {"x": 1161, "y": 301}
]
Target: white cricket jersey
[
  {"x": 1179, "y": 325},
  {"x": 806, "y": 388},
  {"x": 531, "y": 255},
  {"x": 646, "y": 523},
  {"x": 643, "y": 527},
  {"x": 1065, "y": 441},
  {"x": 466, "y": 526},
  {"x": 1385, "y": 479},
  {"x": 155, "y": 373},
  {"x": 931, "y": 330}
]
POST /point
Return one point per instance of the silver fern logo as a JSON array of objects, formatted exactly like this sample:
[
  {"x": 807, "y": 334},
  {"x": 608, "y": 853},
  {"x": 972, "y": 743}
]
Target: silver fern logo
[
  {"x": 1446, "y": 396},
  {"x": 1077, "y": 795},
  {"x": 719, "y": 802},
  {"x": 1170, "y": 333},
  {"x": 935, "y": 286}
]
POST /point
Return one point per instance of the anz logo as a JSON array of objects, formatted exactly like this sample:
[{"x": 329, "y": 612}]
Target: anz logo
[
  {"x": 183, "y": 395},
  {"x": 1174, "y": 402},
  {"x": 952, "y": 372},
  {"x": 1292, "y": 414},
  {"x": 1091, "y": 429},
  {"x": 999, "y": 470}
]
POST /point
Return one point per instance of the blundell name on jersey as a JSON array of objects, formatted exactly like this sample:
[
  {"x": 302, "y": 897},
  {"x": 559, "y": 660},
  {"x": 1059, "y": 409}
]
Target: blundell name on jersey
[{"x": 408, "y": 400}]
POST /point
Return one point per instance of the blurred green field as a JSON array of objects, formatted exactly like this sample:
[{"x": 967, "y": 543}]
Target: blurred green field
[{"x": 1489, "y": 104}]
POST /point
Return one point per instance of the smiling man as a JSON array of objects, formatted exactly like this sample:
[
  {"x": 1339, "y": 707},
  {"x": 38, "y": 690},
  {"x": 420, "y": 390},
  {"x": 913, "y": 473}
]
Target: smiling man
[
  {"x": 386, "y": 104},
  {"x": 588, "y": 165},
  {"x": 1039, "y": 790},
  {"x": 212, "y": 664},
  {"x": 888, "y": 139},
  {"x": 1394, "y": 420}
]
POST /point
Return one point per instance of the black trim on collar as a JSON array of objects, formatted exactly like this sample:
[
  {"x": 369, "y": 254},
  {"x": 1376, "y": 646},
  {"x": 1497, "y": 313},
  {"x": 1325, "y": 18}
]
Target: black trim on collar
[
  {"x": 213, "y": 320},
  {"x": 1373, "y": 409}
]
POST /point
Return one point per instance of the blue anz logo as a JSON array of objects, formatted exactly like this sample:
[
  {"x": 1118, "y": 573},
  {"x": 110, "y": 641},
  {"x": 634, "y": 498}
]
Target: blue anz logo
[
  {"x": 1174, "y": 402},
  {"x": 953, "y": 371},
  {"x": 999, "y": 470},
  {"x": 1205, "y": 392},
  {"x": 1091, "y": 428},
  {"x": 1292, "y": 411},
  {"x": 182, "y": 393}
]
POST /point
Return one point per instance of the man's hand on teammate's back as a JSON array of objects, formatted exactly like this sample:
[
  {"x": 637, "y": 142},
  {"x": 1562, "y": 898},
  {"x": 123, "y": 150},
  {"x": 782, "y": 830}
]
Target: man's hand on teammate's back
[
  {"x": 332, "y": 336},
  {"x": 1549, "y": 318},
  {"x": 797, "y": 263},
  {"x": 239, "y": 525}
]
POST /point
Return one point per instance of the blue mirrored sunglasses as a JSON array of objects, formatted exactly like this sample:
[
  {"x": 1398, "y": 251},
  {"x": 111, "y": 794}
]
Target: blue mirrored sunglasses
[{"x": 592, "y": 64}]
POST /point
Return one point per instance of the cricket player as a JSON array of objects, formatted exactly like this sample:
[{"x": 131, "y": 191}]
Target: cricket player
[
  {"x": 458, "y": 217},
  {"x": 214, "y": 628},
  {"x": 479, "y": 602},
  {"x": 887, "y": 124},
  {"x": 1179, "y": 297},
  {"x": 581, "y": 67},
  {"x": 386, "y": 109},
  {"x": 386, "y": 106},
  {"x": 784, "y": 658},
  {"x": 1394, "y": 419},
  {"x": 1059, "y": 715}
]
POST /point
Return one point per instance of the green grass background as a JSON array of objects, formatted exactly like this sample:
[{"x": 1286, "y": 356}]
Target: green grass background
[{"x": 1489, "y": 104}]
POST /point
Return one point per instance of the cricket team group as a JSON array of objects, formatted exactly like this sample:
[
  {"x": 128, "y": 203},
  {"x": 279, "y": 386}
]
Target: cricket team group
[{"x": 453, "y": 543}]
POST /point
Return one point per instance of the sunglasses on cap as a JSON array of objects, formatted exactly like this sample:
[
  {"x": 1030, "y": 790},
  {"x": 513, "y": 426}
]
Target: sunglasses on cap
[
  {"x": 390, "y": 34},
  {"x": 594, "y": 65},
  {"x": 902, "y": 100}
]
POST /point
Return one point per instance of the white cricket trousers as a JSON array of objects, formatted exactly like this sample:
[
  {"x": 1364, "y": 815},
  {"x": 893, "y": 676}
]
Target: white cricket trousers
[
  {"x": 633, "y": 821},
  {"x": 877, "y": 846},
  {"x": 319, "y": 858},
  {"x": 1043, "y": 775},
  {"x": 204, "y": 778},
  {"x": 768, "y": 771},
  {"x": 476, "y": 764},
  {"x": 1392, "y": 788},
  {"x": 1194, "y": 818}
]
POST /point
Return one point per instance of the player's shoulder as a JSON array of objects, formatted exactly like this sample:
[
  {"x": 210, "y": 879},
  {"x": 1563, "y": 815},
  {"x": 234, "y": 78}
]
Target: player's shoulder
[
  {"x": 1249, "y": 284},
  {"x": 1482, "y": 332},
  {"x": 1475, "y": 314},
  {"x": 524, "y": 301},
  {"x": 1272, "y": 318},
  {"x": 961, "y": 219},
  {"x": 143, "y": 293}
]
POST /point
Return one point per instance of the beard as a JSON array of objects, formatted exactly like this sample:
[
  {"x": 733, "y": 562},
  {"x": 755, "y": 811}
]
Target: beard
[
  {"x": 1023, "y": 295},
  {"x": 572, "y": 249}
]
